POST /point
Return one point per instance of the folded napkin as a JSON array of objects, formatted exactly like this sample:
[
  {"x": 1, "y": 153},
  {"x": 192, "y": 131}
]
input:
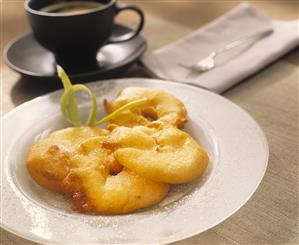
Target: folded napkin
[{"x": 242, "y": 21}]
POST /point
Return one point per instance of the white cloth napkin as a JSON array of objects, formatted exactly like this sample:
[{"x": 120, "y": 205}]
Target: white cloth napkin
[{"x": 242, "y": 21}]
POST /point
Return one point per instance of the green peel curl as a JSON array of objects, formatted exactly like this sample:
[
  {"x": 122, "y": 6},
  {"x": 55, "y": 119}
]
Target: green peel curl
[{"x": 69, "y": 105}]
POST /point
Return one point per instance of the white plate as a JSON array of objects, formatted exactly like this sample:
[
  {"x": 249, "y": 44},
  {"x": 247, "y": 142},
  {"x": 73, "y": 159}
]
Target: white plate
[{"x": 238, "y": 154}]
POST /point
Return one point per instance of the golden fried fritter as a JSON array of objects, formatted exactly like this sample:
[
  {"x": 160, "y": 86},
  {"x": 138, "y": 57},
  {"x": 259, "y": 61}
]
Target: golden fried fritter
[
  {"x": 73, "y": 161},
  {"x": 115, "y": 194},
  {"x": 164, "y": 154},
  {"x": 49, "y": 159},
  {"x": 160, "y": 107},
  {"x": 127, "y": 167}
]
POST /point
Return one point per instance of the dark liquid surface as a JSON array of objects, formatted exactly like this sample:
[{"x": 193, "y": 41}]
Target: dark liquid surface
[{"x": 73, "y": 7}]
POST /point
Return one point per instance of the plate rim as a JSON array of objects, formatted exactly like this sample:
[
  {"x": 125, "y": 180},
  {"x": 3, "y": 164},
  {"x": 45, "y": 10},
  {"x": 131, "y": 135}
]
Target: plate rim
[{"x": 157, "y": 81}]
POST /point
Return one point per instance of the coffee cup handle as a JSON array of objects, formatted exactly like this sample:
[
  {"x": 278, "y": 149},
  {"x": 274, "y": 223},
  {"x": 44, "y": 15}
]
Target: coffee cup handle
[{"x": 134, "y": 33}]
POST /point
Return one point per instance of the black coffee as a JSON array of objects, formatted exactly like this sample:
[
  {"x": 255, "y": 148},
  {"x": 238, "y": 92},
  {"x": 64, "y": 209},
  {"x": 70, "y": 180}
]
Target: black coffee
[{"x": 73, "y": 7}]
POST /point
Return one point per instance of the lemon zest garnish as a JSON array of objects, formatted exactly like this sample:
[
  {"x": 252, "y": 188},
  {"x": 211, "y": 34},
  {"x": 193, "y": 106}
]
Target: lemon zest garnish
[{"x": 69, "y": 104}]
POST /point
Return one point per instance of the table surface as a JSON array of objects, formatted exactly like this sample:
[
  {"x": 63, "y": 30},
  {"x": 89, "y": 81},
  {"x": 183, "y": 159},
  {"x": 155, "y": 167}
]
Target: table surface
[{"x": 271, "y": 97}]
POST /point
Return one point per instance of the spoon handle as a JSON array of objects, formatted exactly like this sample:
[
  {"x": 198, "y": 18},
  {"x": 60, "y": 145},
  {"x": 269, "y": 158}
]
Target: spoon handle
[
  {"x": 208, "y": 63},
  {"x": 253, "y": 38}
]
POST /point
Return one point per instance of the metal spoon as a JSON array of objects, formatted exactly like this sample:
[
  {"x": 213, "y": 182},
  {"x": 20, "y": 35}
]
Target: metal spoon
[{"x": 208, "y": 63}]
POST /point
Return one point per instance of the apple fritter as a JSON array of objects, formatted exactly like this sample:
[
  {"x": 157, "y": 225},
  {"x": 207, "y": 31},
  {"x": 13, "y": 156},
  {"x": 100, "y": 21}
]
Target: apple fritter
[
  {"x": 162, "y": 153},
  {"x": 72, "y": 161},
  {"x": 159, "y": 107}
]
